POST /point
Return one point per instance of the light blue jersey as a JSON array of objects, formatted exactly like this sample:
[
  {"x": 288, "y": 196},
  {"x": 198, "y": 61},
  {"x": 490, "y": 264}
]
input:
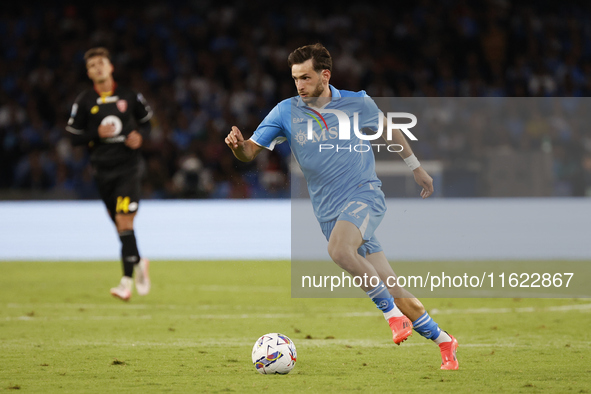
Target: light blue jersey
[{"x": 334, "y": 168}]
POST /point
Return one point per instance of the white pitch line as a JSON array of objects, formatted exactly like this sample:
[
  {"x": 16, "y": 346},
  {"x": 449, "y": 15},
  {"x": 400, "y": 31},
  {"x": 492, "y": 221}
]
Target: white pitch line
[
  {"x": 127, "y": 306},
  {"x": 189, "y": 317},
  {"x": 560, "y": 308},
  {"x": 469, "y": 311},
  {"x": 508, "y": 294},
  {"x": 434, "y": 311},
  {"x": 78, "y": 306},
  {"x": 262, "y": 289},
  {"x": 301, "y": 343},
  {"x": 75, "y": 318}
]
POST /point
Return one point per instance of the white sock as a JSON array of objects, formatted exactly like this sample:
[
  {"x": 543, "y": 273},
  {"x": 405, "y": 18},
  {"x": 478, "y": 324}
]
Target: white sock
[
  {"x": 443, "y": 337},
  {"x": 395, "y": 312},
  {"x": 127, "y": 282}
]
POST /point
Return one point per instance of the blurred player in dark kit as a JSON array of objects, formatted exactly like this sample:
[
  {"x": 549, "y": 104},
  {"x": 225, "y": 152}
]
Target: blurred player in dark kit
[{"x": 113, "y": 122}]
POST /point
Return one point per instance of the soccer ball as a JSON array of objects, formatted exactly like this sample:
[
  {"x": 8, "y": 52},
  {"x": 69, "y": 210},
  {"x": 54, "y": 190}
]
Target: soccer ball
[{"x": 274, "y": 353}]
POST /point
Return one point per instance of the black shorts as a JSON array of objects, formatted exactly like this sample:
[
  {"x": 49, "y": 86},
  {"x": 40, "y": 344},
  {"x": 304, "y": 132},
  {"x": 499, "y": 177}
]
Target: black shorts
[{"x": 119, "y": 189}]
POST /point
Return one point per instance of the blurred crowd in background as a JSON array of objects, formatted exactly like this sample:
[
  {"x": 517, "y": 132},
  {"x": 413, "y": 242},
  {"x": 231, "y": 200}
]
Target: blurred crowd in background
[{"x": 204, "y": 67}]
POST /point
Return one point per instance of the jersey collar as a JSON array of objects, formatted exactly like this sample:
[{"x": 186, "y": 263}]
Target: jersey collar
[
  {"x": 106, "y": 94},
  {"x": 335, "y": 94}
]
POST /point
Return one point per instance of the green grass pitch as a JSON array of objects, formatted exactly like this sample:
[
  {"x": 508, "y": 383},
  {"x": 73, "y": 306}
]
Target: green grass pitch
[{"x": 61, "y": 331}]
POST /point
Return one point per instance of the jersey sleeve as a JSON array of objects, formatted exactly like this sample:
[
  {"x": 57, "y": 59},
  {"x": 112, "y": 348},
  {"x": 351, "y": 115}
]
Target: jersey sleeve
[
  {"x": 78, "y": 117},
  {"x": 370, "y": 114},
  {"x": 141, "y": 110},
  {"x": 270, "y": 132}
]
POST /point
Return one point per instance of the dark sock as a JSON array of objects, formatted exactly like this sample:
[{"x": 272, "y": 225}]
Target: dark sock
[{"x": 129, "y": 253}]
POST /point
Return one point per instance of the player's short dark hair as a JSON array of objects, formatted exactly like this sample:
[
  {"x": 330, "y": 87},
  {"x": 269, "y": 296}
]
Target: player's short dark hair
[
  {"x": 321, "y": 59},
  {"x": 98, "y": 51}
]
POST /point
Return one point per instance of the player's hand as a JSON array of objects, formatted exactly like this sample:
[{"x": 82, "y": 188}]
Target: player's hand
[
  {"x": 134, "y": 140},
  {"x": 424, "y": 180},
  {"x": 106, "y": 130},
  {"x": 234, "y": 138}
]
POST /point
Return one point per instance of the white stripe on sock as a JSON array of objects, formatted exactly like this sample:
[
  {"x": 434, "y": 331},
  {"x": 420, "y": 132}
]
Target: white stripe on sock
[
  {"x": 378, "y": 288},
  {"x": 421, "y": 320}
]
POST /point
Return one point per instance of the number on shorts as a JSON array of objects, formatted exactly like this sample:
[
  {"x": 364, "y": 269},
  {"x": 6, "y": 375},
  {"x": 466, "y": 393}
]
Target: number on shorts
[
  {"x": 362, "y": 206},
  {"x": 122, "y": 205}
]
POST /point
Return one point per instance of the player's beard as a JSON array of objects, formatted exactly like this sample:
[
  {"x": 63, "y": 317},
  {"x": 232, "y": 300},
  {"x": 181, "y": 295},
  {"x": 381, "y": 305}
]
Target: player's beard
[{"x": 313, "y": 97}]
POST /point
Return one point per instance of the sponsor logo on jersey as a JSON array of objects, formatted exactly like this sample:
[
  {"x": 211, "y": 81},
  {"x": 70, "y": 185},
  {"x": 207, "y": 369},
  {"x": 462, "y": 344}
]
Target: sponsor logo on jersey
[
  {"x": 107, "y": 100},
  {"x": 115, "y": 121},
  {"x": 300, "y": 137},
  {"x": 112, "y": 140},
  {"x": 122, "y": 105}
]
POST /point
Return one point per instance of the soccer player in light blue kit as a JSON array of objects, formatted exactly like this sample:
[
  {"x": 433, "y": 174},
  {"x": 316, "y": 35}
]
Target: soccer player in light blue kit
[{"x": 343, "y": 186}]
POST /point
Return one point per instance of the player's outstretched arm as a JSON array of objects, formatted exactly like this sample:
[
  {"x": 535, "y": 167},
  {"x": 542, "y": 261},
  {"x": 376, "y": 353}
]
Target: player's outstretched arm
[
  {"x": 421, "y": 177},
  {"x": 243, "y": 150}
]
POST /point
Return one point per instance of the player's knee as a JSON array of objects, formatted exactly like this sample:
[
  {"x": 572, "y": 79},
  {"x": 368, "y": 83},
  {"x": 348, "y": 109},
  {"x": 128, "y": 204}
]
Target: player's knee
[
  {"x": 124, "y": 222},
  {"x": 342, "y": 255}
]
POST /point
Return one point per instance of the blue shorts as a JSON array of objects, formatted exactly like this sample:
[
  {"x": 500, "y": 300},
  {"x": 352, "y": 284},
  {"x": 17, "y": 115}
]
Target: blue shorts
[{"x": 365, "y": 208}]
